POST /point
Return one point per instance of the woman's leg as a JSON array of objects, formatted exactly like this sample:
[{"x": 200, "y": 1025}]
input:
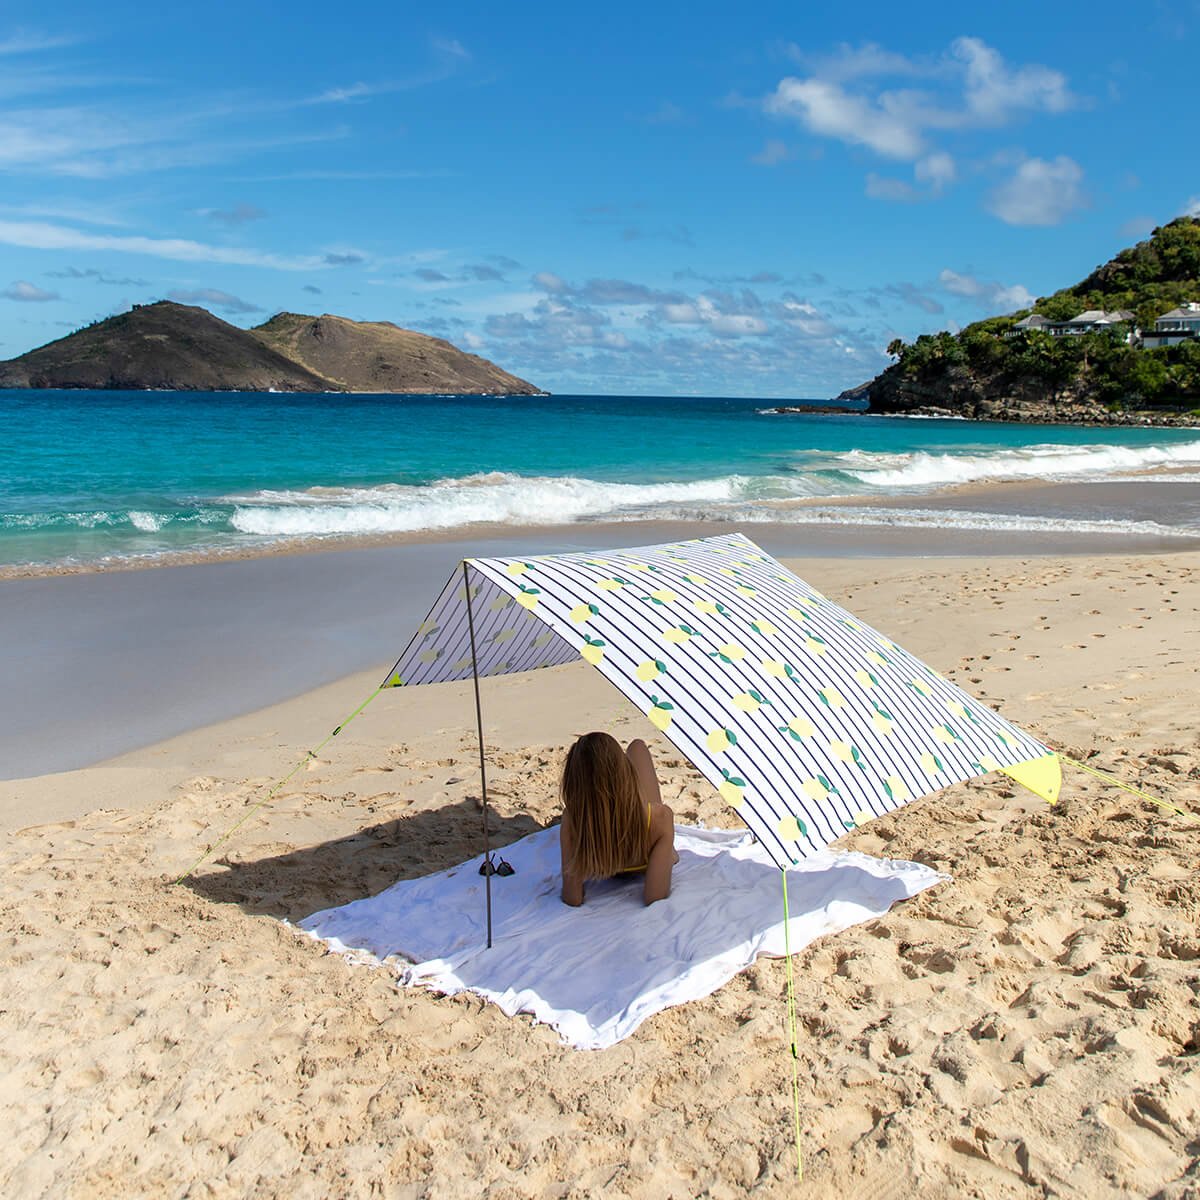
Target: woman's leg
[{"x": 638, "y": 753}]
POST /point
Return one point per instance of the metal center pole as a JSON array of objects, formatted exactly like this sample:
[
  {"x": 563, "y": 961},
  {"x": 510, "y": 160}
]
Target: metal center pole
[{"x": 487, "y": 850}]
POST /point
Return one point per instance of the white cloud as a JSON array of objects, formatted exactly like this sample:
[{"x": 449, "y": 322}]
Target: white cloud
[
  {"x": 936, "y": 171},
  {"x": 993, "y": 90},
  {"x": 773, "y": 153},
  {"x": 882, "y": 187},
  {"x": 38, "y": 235},
  {"x": 1040, "y": 193},
  {"x": 25, "y": 42},
  {"x": 1192, "y": 207},
  {"x": 549, "y": 282},
  {"x": 214, "y": 299},
  {"x": 828, "y": 109},
  {"x": 21, "y": 290},
  {"x": 991, "y": 295},
  {"x": 974, "y": 88}
]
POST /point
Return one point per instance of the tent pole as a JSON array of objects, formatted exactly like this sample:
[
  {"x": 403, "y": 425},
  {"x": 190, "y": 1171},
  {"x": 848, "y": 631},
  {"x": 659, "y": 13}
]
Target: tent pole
[{"x": 487, "y": 851}]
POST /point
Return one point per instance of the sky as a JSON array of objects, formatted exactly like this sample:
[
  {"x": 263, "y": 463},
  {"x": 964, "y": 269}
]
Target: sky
[{"x": 650, "y": 199}]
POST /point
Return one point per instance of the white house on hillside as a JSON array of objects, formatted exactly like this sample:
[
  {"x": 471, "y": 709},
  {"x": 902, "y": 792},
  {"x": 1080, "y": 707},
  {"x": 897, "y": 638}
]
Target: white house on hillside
[{"x": 1181, "y": 324}]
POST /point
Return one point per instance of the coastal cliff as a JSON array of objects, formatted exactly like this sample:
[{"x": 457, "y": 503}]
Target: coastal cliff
[
  {"x": 1000, "y": 370},
  {"x": 180, "y": 347}
]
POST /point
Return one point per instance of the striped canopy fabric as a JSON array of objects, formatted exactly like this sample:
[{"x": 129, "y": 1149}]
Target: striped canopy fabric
[{"x": 807, "y": 721}]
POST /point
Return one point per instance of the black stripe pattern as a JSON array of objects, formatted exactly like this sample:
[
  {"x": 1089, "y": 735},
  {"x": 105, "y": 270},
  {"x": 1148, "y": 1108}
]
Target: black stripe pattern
[{"x": 806, "y": 720}]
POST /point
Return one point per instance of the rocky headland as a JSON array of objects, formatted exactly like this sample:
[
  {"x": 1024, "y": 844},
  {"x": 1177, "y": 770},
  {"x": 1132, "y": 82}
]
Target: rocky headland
[
  {"x": 180, "y": 347},
  {"x": 1066, "y": 367}
]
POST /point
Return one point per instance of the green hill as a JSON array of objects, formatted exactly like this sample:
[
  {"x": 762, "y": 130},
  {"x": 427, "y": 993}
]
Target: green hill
[
  {"x": 990, "y": 370},
  {"x": 180, "y": 347}
]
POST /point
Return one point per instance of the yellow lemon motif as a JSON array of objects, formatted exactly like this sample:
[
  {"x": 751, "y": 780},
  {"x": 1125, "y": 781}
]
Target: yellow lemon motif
[
  {"x": 930, "y": 763},
  {"x": 505, "y": 635},
  {"x": 832, "y": 697},
  {"x": 842, "y": 750},
  {"x": 861, "y": 817},
  {"x": 648, "y": 670},
  {"x": 635, "y": 566},
  {"x": 897, "y": 788},
  {"x": 499, "y": 603},
  {"x": 921, "y": 686},
  {"x": 772, "y": 666},
  {"x": 732, "y": 650},
  {"x": 790, "y": 829},
  {"x": 731, "y": 794},
  {"x": 609, "y": 585},
  {"x": 943, "y": 734},
  {"x": 815, "y": 788},
  {"x": 876, "y": 658},
  {"x": 528, "y": 600},
  {"x": 988, "y": 763},
  {"x": 765, "y": 627},
  {"x": 746, "y": 702},
  {"x": 882, "y": 723},
  {"x": 813, "y": 646},
  {"x": 429, "y": 656},
  {"x": 581, "y": 613},
  {"x": 743, "y": 590},
  {"x": 592, "y": 652},
  {"x": 718, "y": 741},
  {"x": 517, "y": 568},
  {"x": 660, "y": 717},
  {"x": 664, "y": 595},
  {"x": 676, "y": 635},
  {"x": 865, "y": 678},
  {"x": 802, "y": 727},
  {"x": 698, "y": 580},
  {"x": 708, "y": 607},
  {"x": 797, "y": 614}
]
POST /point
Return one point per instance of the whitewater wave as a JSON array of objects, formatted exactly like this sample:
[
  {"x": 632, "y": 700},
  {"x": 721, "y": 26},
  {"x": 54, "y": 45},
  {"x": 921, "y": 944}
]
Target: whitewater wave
[
  {"x": 492, "y": 498},
  {"x": 926, "y": 471}
]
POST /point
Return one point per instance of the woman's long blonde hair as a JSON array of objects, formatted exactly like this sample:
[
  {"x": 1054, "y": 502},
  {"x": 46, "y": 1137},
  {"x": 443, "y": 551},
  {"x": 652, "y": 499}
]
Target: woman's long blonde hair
[{"x": 603, "y": 809}]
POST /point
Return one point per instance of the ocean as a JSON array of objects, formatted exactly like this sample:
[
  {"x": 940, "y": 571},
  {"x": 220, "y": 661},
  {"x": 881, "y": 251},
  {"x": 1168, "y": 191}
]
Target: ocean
[{"x": 111, "y": 478}]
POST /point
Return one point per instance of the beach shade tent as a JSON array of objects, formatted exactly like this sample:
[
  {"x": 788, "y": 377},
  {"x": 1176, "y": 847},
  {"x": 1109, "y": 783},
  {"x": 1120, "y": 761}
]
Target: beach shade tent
[{"x": 807, "y": 721}]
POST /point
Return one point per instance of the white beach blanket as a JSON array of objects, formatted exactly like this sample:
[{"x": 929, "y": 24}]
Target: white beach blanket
[{"x": 596, "y": 973}]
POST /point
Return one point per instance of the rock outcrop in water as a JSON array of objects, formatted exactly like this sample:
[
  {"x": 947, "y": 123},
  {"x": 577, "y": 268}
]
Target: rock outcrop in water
[{"x": 181, "y": 347}]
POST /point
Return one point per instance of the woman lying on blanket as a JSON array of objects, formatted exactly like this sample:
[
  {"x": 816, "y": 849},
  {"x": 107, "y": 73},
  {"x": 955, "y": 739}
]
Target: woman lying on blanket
[{"x": 614, "y": 820}]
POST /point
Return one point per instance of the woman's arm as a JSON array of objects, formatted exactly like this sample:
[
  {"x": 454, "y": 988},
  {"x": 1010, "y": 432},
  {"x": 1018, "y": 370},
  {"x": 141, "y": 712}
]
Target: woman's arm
[{"x": 662, "y": 854}]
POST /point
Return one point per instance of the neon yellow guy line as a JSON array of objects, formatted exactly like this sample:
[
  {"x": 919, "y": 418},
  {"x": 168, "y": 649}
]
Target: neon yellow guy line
[
  {"x": 1124, "y": 786},
  {"x": 309, "y": 754},
  {"x": 787, "y": 953}
]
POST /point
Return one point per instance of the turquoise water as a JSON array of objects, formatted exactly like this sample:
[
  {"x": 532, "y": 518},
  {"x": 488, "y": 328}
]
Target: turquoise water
[{"x": 93, "y": 476}]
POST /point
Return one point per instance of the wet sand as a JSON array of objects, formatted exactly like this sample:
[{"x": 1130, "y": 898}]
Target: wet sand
[{"x": 100, "y": 663}]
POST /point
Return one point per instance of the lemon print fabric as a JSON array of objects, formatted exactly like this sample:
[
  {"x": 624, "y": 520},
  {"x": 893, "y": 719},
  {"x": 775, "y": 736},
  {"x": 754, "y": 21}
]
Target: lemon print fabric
[{"x": 802, "y": 717}]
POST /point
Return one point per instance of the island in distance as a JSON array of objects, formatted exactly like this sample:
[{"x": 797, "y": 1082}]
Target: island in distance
[{"x": 181, "y": 347}]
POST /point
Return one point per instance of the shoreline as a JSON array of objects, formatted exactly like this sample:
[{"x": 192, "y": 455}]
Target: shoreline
[
  {"x": 148, "y": 656},
  {"x": 1022, "y": 498}
]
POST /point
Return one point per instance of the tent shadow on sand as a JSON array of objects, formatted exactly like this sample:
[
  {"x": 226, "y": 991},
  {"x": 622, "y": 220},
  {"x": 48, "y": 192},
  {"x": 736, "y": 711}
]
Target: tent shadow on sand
[{"x": 361, "y": 864}]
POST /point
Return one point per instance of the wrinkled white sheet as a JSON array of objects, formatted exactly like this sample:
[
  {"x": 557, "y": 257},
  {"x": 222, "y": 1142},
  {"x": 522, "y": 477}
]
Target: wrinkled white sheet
[{"x": 596, "y": 973}]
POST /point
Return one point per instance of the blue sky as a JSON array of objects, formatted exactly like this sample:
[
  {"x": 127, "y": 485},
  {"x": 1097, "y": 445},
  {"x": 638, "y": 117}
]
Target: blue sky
[{"x": 653, "y": 199}]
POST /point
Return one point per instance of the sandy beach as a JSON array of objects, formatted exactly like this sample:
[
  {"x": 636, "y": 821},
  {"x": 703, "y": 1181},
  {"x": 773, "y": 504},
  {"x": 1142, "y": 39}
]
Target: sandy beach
[{"x": 1029, "y": 1028}]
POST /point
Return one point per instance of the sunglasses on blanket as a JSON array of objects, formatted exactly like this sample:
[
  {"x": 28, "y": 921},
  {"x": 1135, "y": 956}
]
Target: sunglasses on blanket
[{"x": 500, "y": 867}]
